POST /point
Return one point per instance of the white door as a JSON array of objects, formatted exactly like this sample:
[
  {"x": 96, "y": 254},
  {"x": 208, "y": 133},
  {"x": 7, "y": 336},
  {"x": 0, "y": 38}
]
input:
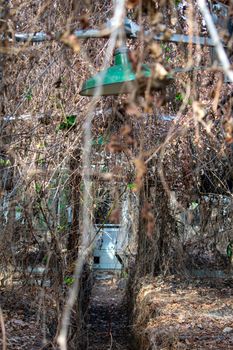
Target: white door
[{"x": 105, "y": 249}]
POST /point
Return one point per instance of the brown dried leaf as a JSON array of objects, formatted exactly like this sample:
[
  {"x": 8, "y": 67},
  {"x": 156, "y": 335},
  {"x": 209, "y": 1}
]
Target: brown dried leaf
[
  {"x": 174, "y": 21},
  {"x": 140, "y": 167},
  {"x": 155, "y": 50},
  {"x": 156, "y": 18},
  {"x": 167, "y": 34},
  {"x": 125, "y": 130},
  {"x": 198, "y": 111},
  {"x": 115, "y": 216},
  {"x": 228, "y": 129},
  {"x": 115, "y": 145},
  {"x": 147, "y": 206},
  {"x": 148, "y": 216},
  {"x": 130, "y": 140},
  {"x": 107, "y": 176},
  {"x": 71, "y": 40},
  {"x": 140, "y": 172},
  {"x": 85, "y": 22},
  {"x": 130, "y": 4},
  {"x": 132, "y": 110},
  {"x": 160, "y": 72},
  {"x": 133, "y": 57},
  {"x": 160, "y": 101}
]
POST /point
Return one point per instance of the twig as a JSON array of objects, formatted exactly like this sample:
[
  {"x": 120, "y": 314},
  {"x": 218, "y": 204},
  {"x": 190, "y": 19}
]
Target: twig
[
  {"x": 4, "y": 344},
  {"x": 216, "y": 39}
]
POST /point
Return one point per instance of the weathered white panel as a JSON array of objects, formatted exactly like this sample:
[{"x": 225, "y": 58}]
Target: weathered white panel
[{"x": 106, "y": 247}]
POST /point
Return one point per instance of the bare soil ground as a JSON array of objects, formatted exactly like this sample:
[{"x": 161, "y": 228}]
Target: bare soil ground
[
  {"x": 180, "y": 313},
  {"x": 108, "y": 323},
  {"x": 23, "y": 318}
]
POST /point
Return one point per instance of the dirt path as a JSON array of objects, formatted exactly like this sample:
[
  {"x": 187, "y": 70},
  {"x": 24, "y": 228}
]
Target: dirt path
[{"x": 108, "y": 325}]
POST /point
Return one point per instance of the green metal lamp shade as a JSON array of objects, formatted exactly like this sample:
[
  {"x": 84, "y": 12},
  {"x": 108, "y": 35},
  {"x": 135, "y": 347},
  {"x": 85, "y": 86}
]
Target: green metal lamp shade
[{"x": 116, "y": 80}]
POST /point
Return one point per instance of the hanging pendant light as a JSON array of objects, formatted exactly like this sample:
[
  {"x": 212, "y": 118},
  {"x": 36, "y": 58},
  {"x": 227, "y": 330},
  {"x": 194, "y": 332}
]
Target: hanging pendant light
[{"x": 115, "y": 80}]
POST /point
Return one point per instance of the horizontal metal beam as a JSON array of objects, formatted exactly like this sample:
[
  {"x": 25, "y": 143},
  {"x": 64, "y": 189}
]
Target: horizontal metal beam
[
  {"x": 186, "y": 39},
  {"x": 132, "y": 30},
  {"x": 41, "y": 36},
  {"x": 35, "y": 38}
]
